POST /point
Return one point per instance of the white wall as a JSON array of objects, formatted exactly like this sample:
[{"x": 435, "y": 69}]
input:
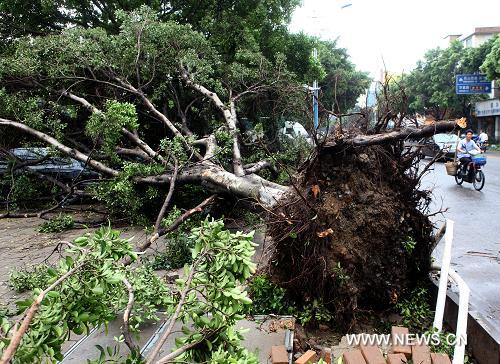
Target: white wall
[
  {"x": 497, "y": 128},
  {"x": 478, "y": 39}
]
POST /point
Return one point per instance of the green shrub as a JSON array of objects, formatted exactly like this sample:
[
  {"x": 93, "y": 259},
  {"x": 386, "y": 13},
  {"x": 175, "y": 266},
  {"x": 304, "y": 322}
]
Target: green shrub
[
  {"x": 23, "y": 191},
  {"x": 409, "y": 244},
  {"x": 446, "y": 339},
  {"x": 415, "y": 310},
  {"x": 314, "y": 313},
  {"x": 62, "y": 222},
  {"x": 178, "y": 245},
  {"x": 22, "y": 280},
  {"x": 267, "y": 297},
  {"x": 177, "y": 253}
]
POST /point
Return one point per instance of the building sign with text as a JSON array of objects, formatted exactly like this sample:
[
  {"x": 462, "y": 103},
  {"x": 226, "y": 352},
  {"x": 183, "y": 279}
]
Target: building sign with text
[{"x": 488, "y": 108}]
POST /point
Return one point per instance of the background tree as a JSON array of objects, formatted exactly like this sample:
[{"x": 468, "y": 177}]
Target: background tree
[
  {"x": 491, "y": 64},
  {"x": 431, "y": 85}
]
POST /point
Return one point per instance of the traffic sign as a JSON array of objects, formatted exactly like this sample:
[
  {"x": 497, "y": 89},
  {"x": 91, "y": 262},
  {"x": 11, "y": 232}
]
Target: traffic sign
[{"x": 472, "y": 84}]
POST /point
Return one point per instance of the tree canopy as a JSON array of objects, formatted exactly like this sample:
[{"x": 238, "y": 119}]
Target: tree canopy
[
  {"x": 431, "y": 85},
  {"x": 491, "y": 64},
  {"x": 159, "y": 89}
]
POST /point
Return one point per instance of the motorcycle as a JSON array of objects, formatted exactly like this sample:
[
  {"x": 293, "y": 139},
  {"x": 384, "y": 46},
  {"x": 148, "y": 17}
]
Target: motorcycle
[
  {"x": 483, "y": 146},
  {"x": 473, "y": 173}
]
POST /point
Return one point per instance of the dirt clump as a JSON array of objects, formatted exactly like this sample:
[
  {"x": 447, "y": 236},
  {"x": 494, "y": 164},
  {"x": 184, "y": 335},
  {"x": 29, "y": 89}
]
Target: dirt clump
[{"x": 354, "y": 234}]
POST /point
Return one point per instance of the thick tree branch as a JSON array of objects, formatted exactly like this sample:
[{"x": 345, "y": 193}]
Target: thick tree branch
[
  {"x": 259, "y": 166},
  {"x": 141, "y": 144},
  {"x": 229, "y": 114},
  {"x": 61, "y": 147},
  {"x": 136, "y": 152},
  {"x": 82, "y": 101},
  {"x": 158, "y": 114},
  {"x": 218, "y": 180},
  {"x": 167, "y": 199},
  {"x": 386, "y": 138},
  {"x": 210, "y": 144},
  {"x": 237, "y": 163},
  {"x": 134, "y": 138}
]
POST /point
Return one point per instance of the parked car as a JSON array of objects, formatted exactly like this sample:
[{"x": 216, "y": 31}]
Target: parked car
[
  {"x": 444, "y": 144},
  {"x": 60, "y": 167},
  {"x": 293, "y": 130}
]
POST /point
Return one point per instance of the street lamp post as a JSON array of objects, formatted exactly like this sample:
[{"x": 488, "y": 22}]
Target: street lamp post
[{"x": 315, "y": 93}]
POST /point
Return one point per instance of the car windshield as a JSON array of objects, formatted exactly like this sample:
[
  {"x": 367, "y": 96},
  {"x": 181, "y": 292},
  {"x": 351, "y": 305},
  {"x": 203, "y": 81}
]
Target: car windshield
[{"x": 445, "y": 138}]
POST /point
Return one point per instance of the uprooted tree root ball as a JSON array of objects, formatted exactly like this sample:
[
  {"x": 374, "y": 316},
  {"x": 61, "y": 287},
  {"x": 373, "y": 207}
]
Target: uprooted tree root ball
[{"x": 353, "y": 233}]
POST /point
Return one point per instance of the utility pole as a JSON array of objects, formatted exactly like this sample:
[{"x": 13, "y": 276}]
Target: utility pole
[{"x": 315, "y": 92}]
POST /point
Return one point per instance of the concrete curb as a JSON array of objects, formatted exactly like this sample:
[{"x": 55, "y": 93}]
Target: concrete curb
[{"x": 483, "y": 339}]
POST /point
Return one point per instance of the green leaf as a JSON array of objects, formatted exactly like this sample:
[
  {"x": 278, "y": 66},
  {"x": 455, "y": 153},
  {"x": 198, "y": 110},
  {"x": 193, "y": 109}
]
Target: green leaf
[
  {"x": 53, "y": 294},
  {"x": 98, "y": 290}
]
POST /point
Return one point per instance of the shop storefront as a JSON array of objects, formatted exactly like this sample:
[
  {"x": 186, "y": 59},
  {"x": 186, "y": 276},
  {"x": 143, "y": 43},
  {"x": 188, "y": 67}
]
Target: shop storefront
[{"x": 488, "y": 117}]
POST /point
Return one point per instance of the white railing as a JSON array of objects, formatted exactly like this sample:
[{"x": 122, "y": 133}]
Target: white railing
[{"x": 463, "y": 299}]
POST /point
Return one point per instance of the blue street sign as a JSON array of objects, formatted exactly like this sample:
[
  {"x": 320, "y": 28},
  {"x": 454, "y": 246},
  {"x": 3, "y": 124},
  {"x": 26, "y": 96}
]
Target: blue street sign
[{"x": 472, "y": 84}]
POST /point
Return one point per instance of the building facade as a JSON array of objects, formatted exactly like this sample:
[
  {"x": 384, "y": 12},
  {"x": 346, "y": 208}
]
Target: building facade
[
  {"x": 478, "y": 36},
  {"x": 488, "y": 117}
]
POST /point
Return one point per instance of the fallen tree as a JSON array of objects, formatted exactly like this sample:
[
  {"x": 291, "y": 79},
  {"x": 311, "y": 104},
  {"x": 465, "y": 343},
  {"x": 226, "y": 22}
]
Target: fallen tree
[{"x": 352, "y": 223}]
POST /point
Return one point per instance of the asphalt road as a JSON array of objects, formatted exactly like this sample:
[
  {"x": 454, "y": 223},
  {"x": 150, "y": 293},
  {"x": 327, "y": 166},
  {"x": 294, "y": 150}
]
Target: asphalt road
[{"x": 476, "y": 243}]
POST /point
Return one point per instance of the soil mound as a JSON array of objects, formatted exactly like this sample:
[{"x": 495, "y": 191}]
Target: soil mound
[{"x": 353, "y": 233}]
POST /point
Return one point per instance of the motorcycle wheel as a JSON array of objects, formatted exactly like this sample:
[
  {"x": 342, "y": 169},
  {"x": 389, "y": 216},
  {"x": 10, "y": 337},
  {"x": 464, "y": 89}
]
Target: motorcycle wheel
[
  {"x": 459, "y": 179},
  {"x": 478, "y": 180}
]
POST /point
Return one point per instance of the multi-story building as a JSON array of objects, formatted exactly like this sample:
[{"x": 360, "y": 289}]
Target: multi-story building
[
  {"x": 479, "y": 36},
  {"x": 473, "y": 38}
]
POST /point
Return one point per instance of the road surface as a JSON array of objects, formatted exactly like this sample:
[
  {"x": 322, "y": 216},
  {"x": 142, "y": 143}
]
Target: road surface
[{"x": 476, "y": 243}]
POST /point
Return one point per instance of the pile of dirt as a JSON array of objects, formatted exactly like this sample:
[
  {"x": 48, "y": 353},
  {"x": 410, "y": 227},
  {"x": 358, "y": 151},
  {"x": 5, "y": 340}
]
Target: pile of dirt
[{"x": 353, "y": 234}]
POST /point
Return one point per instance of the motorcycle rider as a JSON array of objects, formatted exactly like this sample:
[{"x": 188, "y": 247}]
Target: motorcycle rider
[
  {"x": 482, "y": 139},
  {"x": 464, "y": 148}
]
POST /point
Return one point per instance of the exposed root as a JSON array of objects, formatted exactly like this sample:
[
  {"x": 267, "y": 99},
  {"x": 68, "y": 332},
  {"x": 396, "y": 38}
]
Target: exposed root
[{"x": 349, "y": 250}]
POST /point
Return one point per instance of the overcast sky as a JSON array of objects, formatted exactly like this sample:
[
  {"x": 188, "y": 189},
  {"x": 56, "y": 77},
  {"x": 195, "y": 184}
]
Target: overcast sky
[{"x": 397, "y": 31}]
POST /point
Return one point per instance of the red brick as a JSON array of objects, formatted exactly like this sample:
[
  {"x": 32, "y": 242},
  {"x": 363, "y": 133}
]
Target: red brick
[
  {"x": 420, "y": 348},
  {"x": 326, "y": 355},
  {"x": 372, "y": 354},
  {"x": 421, "y": 354},
  {"x": 279, "y": 355},
  {"x": 439, "y": 358},
  {"x": 354, "y": 357},
  {"x": 396, "y": 358},
  {"x": 420, "y": 357},
  {"x": 399, "y": 336},
  {"x": 308, "y": 357}
]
